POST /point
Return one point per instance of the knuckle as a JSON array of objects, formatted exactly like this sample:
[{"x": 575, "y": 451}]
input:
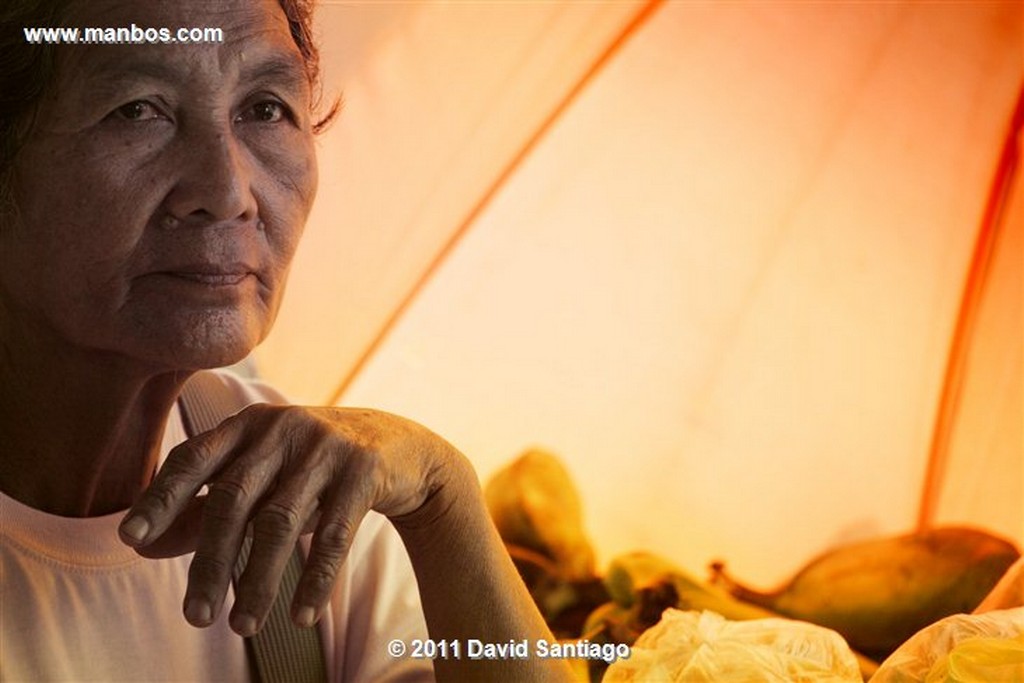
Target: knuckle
[
  {"x": 190, "y": 458},
  {"x": 334, "y": 538},
  {"x": 186, "y": 463},
  {"x": 276, "y": 521},
  {"x": 320, "y": 580},
  {"x": 319, "y": 577},
  {"x": 300, "y": 426},
  {"x": 209, "y": 569},
  {"x": 160, "y": 497},
  {"x": 178, "y": 479},
  {"x": 227, "y": 499}
]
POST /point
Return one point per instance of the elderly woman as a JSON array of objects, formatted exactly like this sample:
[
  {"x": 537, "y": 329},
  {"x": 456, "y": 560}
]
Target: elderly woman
[{"x": 152, "y": 196}]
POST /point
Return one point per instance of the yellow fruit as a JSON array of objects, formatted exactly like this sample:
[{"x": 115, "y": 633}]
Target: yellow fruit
[
  {"x": 534, "y": 504},
  {"x": 612, "y": 623},
  {"x": 629, "y": 574},
  {"x": 878, "y": 593},
  {"x": 643, "y": 585}
]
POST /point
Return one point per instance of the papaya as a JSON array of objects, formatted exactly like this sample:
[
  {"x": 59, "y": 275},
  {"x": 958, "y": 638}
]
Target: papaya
[
  {"x": 879, "y": 592},
  {"x": 535, "y": 505}
]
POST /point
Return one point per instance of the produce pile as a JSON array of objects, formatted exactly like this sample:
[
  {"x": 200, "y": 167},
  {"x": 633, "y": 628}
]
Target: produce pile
[{"x": 876, "y": 594}]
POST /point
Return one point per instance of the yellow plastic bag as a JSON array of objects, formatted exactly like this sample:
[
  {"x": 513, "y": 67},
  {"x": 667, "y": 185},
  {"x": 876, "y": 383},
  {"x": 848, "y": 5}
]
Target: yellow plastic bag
[
  {"x": 981, "y": 659},
  {"x": 704, "y": 647},
  {"x": 963, "y": 648}
]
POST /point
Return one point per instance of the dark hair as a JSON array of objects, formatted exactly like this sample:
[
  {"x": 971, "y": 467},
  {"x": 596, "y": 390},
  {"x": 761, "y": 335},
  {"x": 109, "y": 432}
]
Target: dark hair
[
  {"x": 300, "y": 21},
  {"x": 26, "y": 71}
]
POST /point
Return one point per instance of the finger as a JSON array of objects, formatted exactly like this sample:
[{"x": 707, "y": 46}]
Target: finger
[
  {"x": 276, "y": 527},
  {"x": 188, "y": 467},
  {"x": 340, "y": 517},
  {"x": 181, "y": 537},
  {"x": 229, "y": 504}
]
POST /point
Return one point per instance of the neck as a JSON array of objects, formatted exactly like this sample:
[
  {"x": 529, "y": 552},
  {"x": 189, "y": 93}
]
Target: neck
[{"x": 80, "y": 433}]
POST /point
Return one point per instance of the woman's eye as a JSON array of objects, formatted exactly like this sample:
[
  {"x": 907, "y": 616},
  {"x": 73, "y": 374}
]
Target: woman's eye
[
  {"x": 139, "y": 110},
  {"x": 268, "y": 111}
]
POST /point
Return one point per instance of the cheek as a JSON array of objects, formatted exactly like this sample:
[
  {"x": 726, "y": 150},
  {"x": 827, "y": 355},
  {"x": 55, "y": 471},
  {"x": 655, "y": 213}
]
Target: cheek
[
  {"x": 290, "y": 179},
  {"x": 80, "y": 220},
  {"x": 81, "y": 203}
]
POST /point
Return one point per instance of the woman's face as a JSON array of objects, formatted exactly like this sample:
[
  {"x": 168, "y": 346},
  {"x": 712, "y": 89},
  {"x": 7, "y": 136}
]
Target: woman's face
[{"x": 163, "y": 189}]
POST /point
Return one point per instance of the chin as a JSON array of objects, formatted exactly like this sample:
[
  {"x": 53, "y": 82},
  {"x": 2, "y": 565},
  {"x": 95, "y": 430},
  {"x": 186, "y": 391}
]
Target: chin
[
  {"x": 217, "y": 348},
  {"x": 203, "y": 342},
  {"x": 218, "y": 358}
]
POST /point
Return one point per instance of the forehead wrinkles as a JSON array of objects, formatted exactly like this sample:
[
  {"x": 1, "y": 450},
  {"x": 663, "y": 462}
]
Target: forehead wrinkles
[
  {"x": 257, "y": 38},
  {"x": 175, "y": 13}
]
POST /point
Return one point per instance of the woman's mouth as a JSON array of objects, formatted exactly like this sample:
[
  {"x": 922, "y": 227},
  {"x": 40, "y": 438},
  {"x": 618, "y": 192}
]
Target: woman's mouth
[{"x": 212, "y": 279}]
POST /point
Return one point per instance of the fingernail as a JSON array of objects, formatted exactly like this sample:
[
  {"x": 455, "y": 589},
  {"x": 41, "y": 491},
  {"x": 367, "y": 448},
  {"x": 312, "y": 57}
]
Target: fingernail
[
  {"x": 134, "y": 529},
  {"x": 198, "y": 612},
  {"x": 244, "y": 624},
  {"x": 305, "y": 617}
]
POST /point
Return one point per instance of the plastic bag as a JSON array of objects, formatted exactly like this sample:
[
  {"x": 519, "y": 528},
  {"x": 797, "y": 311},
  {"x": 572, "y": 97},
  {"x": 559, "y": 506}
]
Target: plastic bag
[
  {"x": 705, "y": 647},
  {"x": 981, "y": 659},
  {"x": 963, "y": 648}
]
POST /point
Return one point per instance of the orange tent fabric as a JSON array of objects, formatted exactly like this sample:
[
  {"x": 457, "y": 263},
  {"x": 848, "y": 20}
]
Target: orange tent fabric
[{"x": 712, "y": 254}]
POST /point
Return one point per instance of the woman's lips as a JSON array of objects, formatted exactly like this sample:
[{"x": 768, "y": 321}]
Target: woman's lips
[
  {"x": 211, "y": 279},
  {"x": 211, "y": 274}
]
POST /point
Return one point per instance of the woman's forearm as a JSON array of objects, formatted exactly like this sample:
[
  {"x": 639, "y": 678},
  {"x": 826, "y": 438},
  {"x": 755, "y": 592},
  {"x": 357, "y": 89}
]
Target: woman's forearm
[{"x": 471, "y": 590}]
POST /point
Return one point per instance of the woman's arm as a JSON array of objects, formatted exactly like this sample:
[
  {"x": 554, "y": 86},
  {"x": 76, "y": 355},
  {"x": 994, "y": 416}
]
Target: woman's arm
[
  {"x": 286, "y": 470},
  {"x": 469, "y": 587}
]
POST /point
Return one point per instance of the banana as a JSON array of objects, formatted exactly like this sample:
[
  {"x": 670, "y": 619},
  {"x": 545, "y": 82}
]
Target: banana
[
  {"x": 878, "y": 593},
  {"x": 630, "y": 574},
  {"x": 614, "y": 623},
  {"x": 642, "y": 585},
  {"x": 535, "y": 505}
]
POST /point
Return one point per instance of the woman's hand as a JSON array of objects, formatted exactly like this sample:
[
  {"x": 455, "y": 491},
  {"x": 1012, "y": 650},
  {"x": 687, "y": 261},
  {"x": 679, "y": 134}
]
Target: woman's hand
[{"x": 287, "y": 470}]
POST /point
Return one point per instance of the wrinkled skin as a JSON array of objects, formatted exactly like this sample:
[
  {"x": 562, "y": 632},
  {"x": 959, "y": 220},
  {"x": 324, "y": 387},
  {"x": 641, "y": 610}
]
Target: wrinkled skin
[
  {"x": 168, "y": 186},
  {"x": 288, "y": 469},
  {"x": 162, "y": 194}
]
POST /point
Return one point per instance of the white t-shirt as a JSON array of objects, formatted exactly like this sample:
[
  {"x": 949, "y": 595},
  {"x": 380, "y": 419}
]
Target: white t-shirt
[{"x": 76, "y": 604}]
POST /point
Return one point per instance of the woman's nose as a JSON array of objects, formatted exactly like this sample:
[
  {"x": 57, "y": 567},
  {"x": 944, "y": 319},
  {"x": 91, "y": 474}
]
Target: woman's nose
[{"x": 214, "y": 180}]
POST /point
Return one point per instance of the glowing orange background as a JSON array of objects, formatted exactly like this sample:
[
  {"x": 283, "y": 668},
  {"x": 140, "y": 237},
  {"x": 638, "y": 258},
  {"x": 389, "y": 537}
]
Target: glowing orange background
[{"x": 710, "y": 253}]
